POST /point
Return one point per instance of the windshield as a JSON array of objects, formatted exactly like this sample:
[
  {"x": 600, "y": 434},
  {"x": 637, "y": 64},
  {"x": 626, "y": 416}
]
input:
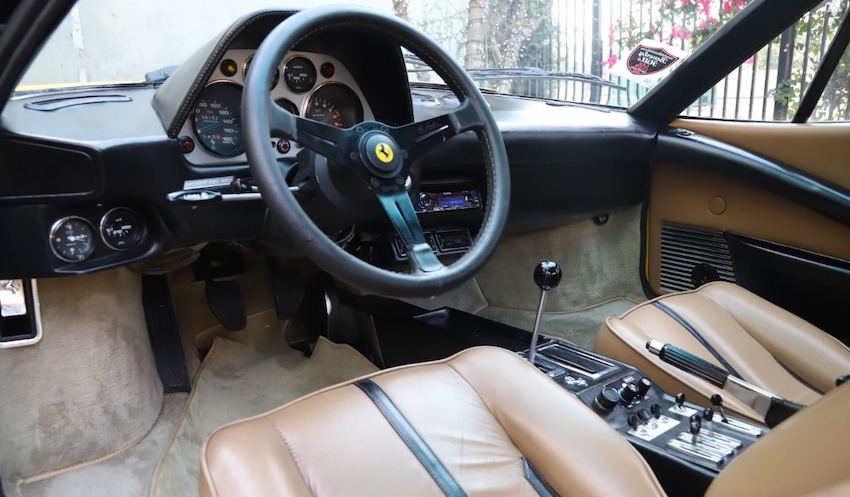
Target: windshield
[{"x": 608, "y": 52}]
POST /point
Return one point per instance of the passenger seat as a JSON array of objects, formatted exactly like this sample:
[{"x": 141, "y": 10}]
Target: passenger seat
[{"x": 736, "y": 330}]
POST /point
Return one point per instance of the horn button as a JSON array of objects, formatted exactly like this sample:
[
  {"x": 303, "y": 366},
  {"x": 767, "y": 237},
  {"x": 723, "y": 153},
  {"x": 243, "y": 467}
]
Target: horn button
[{"x": 381, "y": 154}]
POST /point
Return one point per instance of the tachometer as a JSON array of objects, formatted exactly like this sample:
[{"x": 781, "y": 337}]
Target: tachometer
[
  {"x": 335, "y": 104},
  {"x": 216, "y": 119}
]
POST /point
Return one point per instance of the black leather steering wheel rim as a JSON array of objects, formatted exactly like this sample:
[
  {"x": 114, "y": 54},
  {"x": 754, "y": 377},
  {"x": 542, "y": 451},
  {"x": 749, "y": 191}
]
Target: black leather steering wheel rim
[{"x": 260, "y": 118}]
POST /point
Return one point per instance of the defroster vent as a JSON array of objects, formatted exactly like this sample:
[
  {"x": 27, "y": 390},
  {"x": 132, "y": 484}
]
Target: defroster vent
[{"x": 691, "y": 257}]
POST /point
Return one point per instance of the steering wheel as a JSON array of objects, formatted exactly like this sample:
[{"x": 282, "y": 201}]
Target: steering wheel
[{"x": 379, "y": 154}]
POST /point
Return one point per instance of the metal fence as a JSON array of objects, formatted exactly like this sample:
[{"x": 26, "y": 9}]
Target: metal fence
[{"x": 766, "y": 87}]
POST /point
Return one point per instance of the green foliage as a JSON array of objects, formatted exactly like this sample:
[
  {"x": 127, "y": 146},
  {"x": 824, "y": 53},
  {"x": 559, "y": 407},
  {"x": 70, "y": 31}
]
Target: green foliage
[{"x": 813, "y": 34}]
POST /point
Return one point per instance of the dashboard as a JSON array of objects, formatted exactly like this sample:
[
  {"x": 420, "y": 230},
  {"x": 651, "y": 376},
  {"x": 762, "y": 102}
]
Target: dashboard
[{"x": 99, "y": 177}]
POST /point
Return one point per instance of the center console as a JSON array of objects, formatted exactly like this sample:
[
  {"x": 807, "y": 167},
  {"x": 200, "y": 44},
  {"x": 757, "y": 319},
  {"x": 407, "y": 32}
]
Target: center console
[{"x": 687, "y": 445}]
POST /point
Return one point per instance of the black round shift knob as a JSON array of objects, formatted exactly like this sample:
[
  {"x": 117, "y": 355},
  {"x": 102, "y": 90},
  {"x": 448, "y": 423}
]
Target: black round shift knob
[{"x": 547, "y": 275}]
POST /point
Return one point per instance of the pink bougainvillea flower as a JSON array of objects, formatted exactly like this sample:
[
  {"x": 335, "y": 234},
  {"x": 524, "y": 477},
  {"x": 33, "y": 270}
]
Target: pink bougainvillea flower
[
  {"x": 679, "y": 32},
  {"x": 610, "y": 61}
]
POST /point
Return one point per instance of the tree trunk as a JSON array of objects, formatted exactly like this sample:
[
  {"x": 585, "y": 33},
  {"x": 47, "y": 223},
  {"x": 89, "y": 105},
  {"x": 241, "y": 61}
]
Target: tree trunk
[{"x": 476, "y": 35}]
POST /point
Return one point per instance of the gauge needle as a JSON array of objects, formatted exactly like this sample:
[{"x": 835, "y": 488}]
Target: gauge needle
[{"x": 208, "y": 127}]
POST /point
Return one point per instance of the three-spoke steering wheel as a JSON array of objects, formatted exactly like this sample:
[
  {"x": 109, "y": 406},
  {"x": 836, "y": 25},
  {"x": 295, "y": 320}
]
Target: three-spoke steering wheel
[{"x": 381, "y": 155}]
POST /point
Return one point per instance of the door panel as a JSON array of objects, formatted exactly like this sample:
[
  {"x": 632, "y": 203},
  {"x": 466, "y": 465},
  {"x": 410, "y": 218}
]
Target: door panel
[
  {"x": 822, "y": 150},
  {"x": 709, "y": 219}
]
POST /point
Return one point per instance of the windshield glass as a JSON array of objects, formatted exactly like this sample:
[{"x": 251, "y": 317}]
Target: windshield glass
[{"x": 608, "y": 52}]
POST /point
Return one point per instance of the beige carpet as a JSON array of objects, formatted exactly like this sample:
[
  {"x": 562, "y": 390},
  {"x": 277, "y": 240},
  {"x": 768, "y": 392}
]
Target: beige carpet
[
  {"x": 126, "y": 473},
  {"x": 601, "y": 277},
  {"x": 238, "y": 380},
  {"x": 89, "y": 388}
]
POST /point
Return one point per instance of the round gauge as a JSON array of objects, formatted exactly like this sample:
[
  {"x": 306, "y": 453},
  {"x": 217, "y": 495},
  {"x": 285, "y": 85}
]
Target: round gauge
[
  {"x": 299, "y": 74},
  {"x": 287, "y": 105},
  {"x": 248, "y": 64},
  {"x": 335, "y": 104},
  {"x": 72, "y": 239},
  {"x": 216, "y": 119},
  {"x": 121, "y": 229}
]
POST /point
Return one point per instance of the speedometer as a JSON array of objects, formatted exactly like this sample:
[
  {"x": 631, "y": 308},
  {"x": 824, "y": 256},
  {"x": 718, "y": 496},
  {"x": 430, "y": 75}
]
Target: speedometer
[{"x": 217, "y": 119}]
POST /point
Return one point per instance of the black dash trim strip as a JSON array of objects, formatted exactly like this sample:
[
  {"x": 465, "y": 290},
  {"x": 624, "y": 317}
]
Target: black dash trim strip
[
  {"x": 701, "y": 339},
  {"x": 413, "y": 440},
  {"x": 536, "y": 481}
]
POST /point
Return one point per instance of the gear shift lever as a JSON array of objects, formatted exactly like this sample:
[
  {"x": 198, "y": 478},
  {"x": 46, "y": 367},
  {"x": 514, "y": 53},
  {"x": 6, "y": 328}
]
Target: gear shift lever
[{"x": 547, "y": 275}]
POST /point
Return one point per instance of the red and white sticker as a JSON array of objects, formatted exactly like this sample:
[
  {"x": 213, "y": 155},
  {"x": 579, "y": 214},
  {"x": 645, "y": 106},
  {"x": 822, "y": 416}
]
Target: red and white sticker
[{"x": 649, "y": 62}]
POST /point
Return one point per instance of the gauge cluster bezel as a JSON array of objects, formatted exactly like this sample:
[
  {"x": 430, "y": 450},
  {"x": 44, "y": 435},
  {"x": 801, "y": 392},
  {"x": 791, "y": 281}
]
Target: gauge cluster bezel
[
  {"x": 96, "y": 220},
  {"x": 200, "y": 156}
]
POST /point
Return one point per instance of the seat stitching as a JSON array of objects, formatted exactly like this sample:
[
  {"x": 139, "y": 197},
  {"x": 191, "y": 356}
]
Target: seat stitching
[
  {"x": 492, "y": 415},
  {"x": 291, "y": 453}
]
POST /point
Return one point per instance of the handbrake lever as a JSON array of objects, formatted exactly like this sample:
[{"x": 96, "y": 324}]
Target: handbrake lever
[{"x": 775, "y": 409}]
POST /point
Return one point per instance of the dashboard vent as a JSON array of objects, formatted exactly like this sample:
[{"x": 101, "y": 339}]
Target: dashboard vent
[{"x": 691, "y": 257}]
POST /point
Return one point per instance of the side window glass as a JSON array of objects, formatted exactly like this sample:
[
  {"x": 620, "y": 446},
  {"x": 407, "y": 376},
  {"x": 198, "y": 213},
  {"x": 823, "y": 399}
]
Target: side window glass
[
  {"x": 769, "y": 85},
  {"x": 834, "y": 103}
]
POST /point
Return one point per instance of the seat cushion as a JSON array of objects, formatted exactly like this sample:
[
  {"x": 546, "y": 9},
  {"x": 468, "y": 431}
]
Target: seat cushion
[
  {"x": 480, "y": 412},
  {"x": 766, "y": 345}
]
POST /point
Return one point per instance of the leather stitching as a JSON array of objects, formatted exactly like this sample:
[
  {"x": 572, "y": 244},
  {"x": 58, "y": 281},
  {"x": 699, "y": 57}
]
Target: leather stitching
[
  {"x": 212, "y": 61},
  {"x": 291, "y": 452}
]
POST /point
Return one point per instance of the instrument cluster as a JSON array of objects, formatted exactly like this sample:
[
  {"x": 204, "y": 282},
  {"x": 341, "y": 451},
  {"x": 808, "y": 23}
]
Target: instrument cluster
[{"x": 307, "y": 84}]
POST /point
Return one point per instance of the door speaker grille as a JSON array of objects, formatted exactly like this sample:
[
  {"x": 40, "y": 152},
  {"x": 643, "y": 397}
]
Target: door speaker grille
[{"x": 693, "y": 256}]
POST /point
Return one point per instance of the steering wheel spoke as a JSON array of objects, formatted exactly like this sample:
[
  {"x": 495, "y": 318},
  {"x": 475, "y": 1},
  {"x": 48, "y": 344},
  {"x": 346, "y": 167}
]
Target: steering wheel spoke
[
  {"x": 325, "y": 140},
  {"x": 399, "y": 209},
  {"x": 420, "y": 137}
]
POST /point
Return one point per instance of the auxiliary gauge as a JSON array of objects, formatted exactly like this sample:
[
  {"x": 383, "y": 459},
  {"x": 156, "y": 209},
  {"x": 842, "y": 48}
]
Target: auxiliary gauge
[
  {"x": 72, "y": 239},
  {"x": 299, "y": 74},
  {"x": 121, "y": 229}
]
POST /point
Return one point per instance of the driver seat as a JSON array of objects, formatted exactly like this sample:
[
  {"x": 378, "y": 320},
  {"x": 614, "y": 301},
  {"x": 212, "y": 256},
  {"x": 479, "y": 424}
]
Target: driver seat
[
  {"x": 485, "y": 422},
  {"x": 495, "y": 426}
]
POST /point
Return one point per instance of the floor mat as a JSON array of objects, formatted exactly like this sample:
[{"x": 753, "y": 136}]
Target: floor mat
[
  {"x": 127, "y": 473},
  {"x": 237, "y": 381}
]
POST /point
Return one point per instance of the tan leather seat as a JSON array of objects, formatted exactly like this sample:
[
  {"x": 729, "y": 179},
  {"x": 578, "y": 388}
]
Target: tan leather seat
[
  {"x": 480, "y": 412},
  {"x": 766, "y": 345}
]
